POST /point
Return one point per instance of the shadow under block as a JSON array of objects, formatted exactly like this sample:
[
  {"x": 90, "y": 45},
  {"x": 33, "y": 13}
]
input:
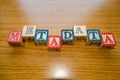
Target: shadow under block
[
  {"x": 54, "y": 43},
  {"x": 93, "y": 37},
  {"x": 108, "y": 40},
  {"x": 28, "y": 32},
  {"x": 67, "y": 36},
  {"x": 15, "y": 38},
  {"x": 41, "y": 37},
  {"x": 80, "y": 33}
]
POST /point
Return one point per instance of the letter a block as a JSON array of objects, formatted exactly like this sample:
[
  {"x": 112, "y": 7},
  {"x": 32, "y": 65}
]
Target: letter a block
[
  {"x": 67, "y": 36},
  {"x": 80, "y": 33},
  {"x": 28, "y": 33},
  {"x": 15, "y": 38},
  {"x": 41, "y": 37},
  {"x": 93, "y": 37},
  {"x": 108, "y": 40},
  {"x": 54, "y": 43}
]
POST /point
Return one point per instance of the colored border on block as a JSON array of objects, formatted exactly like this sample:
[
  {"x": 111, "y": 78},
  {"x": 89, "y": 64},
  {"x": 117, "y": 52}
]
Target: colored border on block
[
  {"x": 54, "y": 36},
  {"x": 67, "y": 30},
  {"x": 89, "y": 37},
  {"x": 113, "y": 38},
  {"x": 42, "y": 40},
  {"x": 14, "y": 31}
]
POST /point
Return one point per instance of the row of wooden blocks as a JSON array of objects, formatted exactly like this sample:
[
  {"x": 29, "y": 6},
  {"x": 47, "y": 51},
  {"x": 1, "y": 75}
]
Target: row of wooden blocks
[{"x": 68, "y": 37}]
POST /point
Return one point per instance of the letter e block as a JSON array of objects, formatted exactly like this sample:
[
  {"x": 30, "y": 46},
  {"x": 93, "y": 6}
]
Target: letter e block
[
  {"x": 94, "y": 37},
  {"x": 28, "y": 33},
  {"x": 67, "y": 36},
  {"x": 15, "y": 38},
  {"x": 54, "y": 43},
  {"x": 108, "y": 40},
  {"x": 41, "y": 37},
  {"x": 80, "y": 33}
]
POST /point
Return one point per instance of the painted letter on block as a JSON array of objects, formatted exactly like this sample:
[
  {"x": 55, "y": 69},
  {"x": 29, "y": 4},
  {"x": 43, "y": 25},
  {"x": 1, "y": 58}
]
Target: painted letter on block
[
  {"x": 15, "y": 38},
  {"x": 108, "y": 39},
  {"x": 94, "y": 37},
  {"x": 28, "y": 32},
  {"x": 41, "y": 36},
  {"x": 54, "y": 42},
  {"x": 80, "y": 33},
  {"x": 67, "y": 35}
]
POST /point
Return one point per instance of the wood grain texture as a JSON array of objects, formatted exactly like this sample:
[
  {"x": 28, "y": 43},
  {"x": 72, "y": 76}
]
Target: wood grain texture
[{"x": 81, "y": 62}]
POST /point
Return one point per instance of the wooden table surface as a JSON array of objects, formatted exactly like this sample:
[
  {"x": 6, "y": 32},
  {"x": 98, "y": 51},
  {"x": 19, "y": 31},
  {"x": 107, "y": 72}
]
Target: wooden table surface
[{"x": 77, "y": 62}]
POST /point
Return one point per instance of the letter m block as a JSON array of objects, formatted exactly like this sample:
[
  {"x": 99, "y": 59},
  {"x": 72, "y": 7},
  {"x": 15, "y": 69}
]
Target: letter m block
[{"x": 15, "y": 38}]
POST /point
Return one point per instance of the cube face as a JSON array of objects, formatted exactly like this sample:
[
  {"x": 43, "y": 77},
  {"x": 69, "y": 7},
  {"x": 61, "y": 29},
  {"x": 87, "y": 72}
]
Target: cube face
[
  {"x": 108, "y": 39},
  {"x": 80, "y": 33},
  {"x": 28, "y": 32},
  {"x": 54, "y": 42},
  {"x": 41, "y": 36},
  {"x": 67, "y": 35},
  {"x": 14, "y": 36},
  {"x": 94, "y": 35}
]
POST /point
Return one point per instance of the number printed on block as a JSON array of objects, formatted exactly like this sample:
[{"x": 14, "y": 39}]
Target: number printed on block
[
  {"x": 41, "y": 36},
  {"x": 54, "y": 42},
  {"x": 15, "y": 38},
  {"x": 80, "y": 33},
  {"x": 108, "y": 40},
  {"x": 67, "y": 36},
  {"x": 94, "y": 36},
  {"x": 28, "y": 32}
]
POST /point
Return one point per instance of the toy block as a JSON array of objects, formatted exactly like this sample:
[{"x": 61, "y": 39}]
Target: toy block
[
  {"x": 28, "y": 33},
  {"x": 108, "y": 40},
  {"x": 41, "y": 37},
  {"x": 94, "y": 37},
  {"x": 54, "y": 43},
  {"x": 80, "y": 33},
  {"x": 15, "y": 38},
  {"x": 67, "y": 36}
]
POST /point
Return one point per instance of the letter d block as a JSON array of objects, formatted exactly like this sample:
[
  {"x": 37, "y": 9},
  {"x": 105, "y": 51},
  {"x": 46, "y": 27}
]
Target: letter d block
[
  {"x": 108, "y": 40},
  {"x": 54, "y": 43},
  {"x": 28, "y": 33},
  {"x": 67, "y": 36},
  {"x": 93, "y": 37},
  {"x": 15, "y": 38},
  {"x": 41, "y": 37},
  {"x": 80, "y": 33}
]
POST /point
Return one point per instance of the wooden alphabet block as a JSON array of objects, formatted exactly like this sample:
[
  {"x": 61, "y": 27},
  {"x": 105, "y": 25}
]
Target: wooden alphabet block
[
  {"x": 80, "y": 33},
  {"x": 67, "y": 36},
  {"x": 15, "y": 38},
  {"x": 94, "y": 37},
  {"x": 28, "y": 33},
  {"x": 41, "y": 37},
  {"x": 108, "y": 40},
  {"x": 54, "y": 43}
]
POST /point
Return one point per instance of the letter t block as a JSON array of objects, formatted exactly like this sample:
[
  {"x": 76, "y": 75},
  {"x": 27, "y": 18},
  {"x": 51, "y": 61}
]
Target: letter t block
[
  {"x": 108, "y": 40},
  {"x": 41, "y": 37},
  {"x": 94, "y": 37},
  {"x": 54, "y": 43}
]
